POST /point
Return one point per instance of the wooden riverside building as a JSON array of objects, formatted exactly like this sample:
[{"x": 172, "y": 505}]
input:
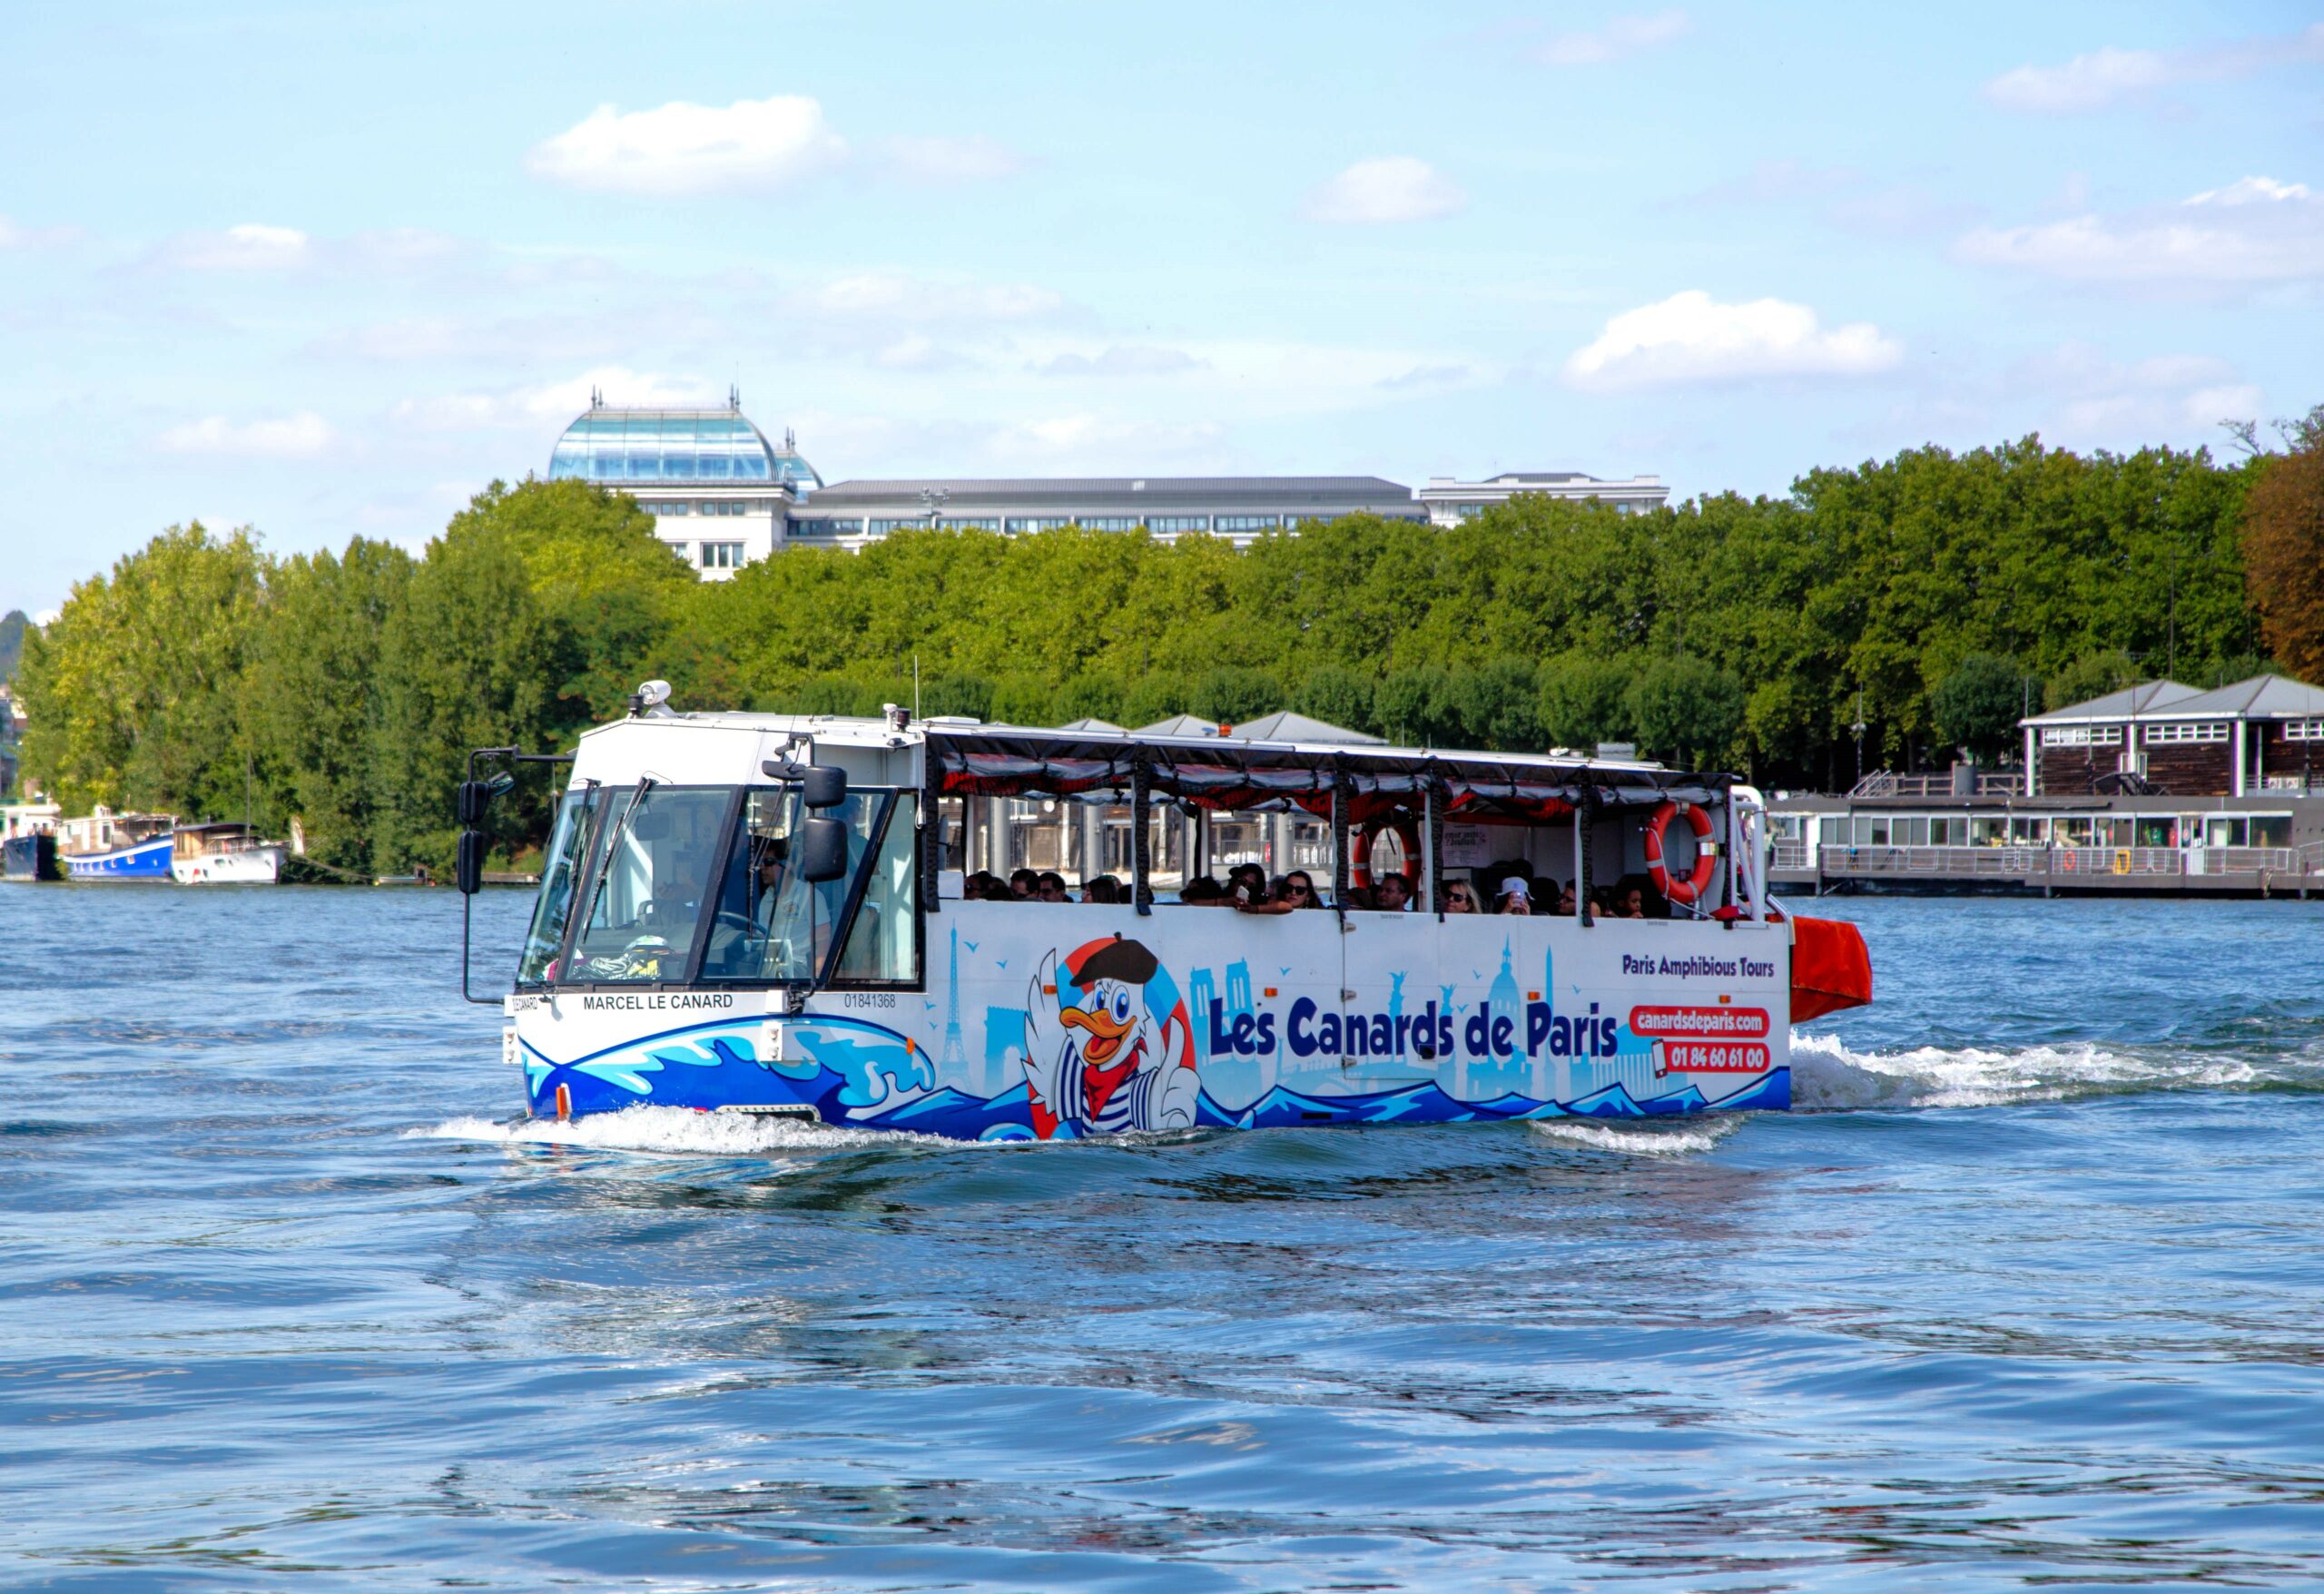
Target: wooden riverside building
[
  {"x": 2161, "y": 738},
  {"x": 2159, "y": 788}
]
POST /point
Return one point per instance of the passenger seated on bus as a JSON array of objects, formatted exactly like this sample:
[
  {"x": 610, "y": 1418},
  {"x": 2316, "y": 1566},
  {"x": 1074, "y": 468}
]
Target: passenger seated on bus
[
  {"x": 1566, "y": 903},
  {"x": 1102, "y": 888},
  {"x": 1634, "y": 896},
  {"x": 1049, "y": 886},
  {"x": 1246, "y": 884},
  {"x": 1460, "y": 896},
  {"x": 1516, "y": 897},
  {"x": 1024, "y": 884},
  {"x": 1393, "y": 893},
  {"x": 1298, "y": 890}
]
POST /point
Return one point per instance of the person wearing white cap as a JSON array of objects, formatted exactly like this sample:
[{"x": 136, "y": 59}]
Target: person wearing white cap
[{"x": 1516, "y": 897}]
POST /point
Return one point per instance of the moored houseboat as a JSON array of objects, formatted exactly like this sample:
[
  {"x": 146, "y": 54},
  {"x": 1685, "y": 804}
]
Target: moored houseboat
[
  {"x": 28, "y": 841},
  {"x": 765, "y": 914},
  {"x": 106, "y": 845},
  {"x": 225, "y": 852}
]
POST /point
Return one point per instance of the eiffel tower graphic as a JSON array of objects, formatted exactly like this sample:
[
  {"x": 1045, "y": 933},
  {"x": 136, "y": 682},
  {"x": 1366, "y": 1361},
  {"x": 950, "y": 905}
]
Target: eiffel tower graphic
[{"x": 954, "y": 1064}]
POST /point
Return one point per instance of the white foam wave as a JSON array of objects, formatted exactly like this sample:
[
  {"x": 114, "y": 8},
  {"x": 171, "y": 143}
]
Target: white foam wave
[
  {"x": 668, "y": 1130},
  {"x": 1827, "y": 1077},
  {"x": 1691, "y": 1138}
]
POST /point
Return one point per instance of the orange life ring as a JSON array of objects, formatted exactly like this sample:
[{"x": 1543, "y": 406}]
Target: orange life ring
[
  {"x": 1406, "y": 836},
  {"x": 1689, "y": 890}
]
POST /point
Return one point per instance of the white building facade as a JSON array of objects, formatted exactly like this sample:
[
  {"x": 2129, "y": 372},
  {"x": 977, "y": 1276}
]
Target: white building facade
[
  {"x": 1449, "y": 501},
  {"x": 719, "y": 492},
  {"x": 724, "y": 497}
]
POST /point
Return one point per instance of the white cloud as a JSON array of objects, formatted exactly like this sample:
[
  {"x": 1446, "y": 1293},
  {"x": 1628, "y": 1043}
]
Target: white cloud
[
  {"x": 898, "y": 296},
  {"x": 2109, "y": 76},
  {"x": 2251, "y": 191},
  {"x": 554, "y": 403},
  {"x": 258, "y": 246},
  {"x": 2086, "y": 82},
  {"x": 2096, "y": 400},
  {"x": 293, "y": 437},
  {"x": 973, "y": 159},
  {"x": 13, "y": 236},
  {"x": 1690, "y": 338},
  {"x": 252, "y": 246},
  {"x": 682, "y": 148},
  {"x": 1623, "y": 35},
  {"x": 2253, "y": 231},
  {"x": 1120, "y": 360},
  {"x": 1393, "y": 187}
]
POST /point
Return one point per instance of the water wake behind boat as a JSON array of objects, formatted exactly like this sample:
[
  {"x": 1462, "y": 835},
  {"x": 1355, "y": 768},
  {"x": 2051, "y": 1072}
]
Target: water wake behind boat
[
  {"x": 671, "y": 1130},
  {"x": 1827, "y": 1076}
]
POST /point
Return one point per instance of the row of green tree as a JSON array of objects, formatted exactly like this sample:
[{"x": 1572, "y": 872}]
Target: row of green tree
[{"x": 1930, "y": 599}]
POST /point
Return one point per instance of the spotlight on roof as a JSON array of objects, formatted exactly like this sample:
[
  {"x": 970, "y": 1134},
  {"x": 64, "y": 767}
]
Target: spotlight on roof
[{"x": 650, "y": 699}]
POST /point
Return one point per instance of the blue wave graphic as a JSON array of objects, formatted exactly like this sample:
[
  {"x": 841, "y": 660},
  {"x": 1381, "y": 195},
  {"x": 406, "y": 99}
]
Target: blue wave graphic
[{"x": 866, "y": 1076}]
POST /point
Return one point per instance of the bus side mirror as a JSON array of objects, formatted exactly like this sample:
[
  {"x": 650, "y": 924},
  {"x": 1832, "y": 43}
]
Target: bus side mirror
[
  {"x": 469, "y": 867},
  {"x": 476, "y": 796},
  {"x": 824, "y": 785},
  {"x": 823, "y": 850}
]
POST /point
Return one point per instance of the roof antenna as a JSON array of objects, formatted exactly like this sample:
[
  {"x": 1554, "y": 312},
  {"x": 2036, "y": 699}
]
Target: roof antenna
[
  {"x": 790, "y": 441},
  {"x": 596, "y": 398},
  {"x": 734, "y": 397}
]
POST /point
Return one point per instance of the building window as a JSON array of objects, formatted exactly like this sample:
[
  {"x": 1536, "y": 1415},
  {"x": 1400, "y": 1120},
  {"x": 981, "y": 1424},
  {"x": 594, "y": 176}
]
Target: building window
[
  {"x": 2082, "y": 736},
  {"x": 725, "y": 506},
  {"x": 1109, "y": 522},
  {"x": 721, "y": 556},
  {"x": 664, "y": 510},
  {"x": 1247, "y": 521},
  {"x": 2304, "y": 731},
  {"x": 1468, "y": 511},
  {"x": 1178, "y": 523},
  {"x": 882, "y": 528},
  {"x": 970, "y": 523},
  {"x": 1020, "y": 524},
  {"x": 2186, "y": 731},
  {"x": 825, "y": 527}
]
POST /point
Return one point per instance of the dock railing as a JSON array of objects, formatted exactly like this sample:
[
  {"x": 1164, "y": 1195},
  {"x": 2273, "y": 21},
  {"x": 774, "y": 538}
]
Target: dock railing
[{"x": 2062, "y": 865}]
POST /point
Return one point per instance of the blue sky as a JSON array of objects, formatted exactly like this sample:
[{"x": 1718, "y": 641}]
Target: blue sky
[{"x": 326, "y": 270}]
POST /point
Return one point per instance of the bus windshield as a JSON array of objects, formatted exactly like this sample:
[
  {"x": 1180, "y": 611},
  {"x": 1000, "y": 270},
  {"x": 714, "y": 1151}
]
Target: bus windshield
[
  {"x": 561, "y": 869},
  {"x": 642, "y": 908}
]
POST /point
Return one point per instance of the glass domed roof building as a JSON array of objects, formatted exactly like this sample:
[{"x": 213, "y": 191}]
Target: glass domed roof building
[
  {"x": 719, "y": 491},
  {"x": 636, "y": 448}
]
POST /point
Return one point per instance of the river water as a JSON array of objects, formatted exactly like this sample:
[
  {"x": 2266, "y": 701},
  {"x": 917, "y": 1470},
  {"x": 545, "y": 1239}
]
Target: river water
[{"x": 2031, "y": 1292}]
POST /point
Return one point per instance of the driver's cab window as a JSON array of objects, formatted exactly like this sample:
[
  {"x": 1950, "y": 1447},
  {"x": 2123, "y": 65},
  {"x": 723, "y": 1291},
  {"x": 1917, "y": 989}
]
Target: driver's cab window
[
  {"x": 645, "y": 903},
  {"x": 771, "y": 924},
  {"x": 883, "y": 943}
]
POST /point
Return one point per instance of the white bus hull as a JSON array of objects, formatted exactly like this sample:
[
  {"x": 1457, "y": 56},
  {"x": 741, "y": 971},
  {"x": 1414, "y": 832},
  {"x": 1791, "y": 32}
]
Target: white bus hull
[{"x": 1245, "y": 1021}]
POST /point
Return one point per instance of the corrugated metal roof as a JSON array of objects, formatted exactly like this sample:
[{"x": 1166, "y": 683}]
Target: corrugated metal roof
[
  {"x": 1179, "y": 725},
  {"x": 2144, "y": 698},
  {"x": 2260, "y": 697},
  {"x": 1284, "y": 725}
]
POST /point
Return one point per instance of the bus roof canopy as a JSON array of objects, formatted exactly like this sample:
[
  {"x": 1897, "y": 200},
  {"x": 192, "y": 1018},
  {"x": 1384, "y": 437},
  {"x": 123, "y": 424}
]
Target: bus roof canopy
[{"x": 1224, "y": 773}]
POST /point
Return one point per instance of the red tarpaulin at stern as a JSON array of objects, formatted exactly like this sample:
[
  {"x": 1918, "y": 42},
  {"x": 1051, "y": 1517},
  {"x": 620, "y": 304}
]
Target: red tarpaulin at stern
[{"x": 1830, "y": 967}]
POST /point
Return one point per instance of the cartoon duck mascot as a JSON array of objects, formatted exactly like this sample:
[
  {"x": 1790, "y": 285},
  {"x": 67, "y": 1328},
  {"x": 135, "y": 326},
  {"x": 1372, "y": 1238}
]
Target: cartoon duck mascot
[{"x": 1107, "y": 1064}]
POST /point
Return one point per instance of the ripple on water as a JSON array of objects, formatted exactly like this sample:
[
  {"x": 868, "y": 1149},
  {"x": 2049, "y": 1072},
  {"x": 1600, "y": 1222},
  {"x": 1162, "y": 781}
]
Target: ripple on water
[{"x": 2027, "y": 1294}]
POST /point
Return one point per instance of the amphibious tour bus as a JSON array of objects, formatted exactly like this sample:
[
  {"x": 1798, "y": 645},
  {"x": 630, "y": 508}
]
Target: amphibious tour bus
[{"x": 797, "y": 916}]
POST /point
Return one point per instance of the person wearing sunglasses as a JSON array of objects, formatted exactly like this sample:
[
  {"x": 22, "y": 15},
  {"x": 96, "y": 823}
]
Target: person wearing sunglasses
[{"x": 1460, "y": 896}]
